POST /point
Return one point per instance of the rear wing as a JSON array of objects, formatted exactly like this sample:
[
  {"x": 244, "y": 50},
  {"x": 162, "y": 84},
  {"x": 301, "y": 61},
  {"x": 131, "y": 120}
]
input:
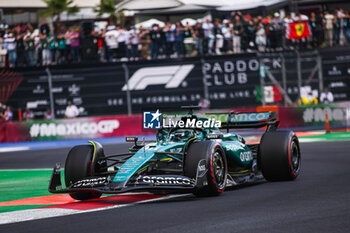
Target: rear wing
[{"x": 244, "y": 120}]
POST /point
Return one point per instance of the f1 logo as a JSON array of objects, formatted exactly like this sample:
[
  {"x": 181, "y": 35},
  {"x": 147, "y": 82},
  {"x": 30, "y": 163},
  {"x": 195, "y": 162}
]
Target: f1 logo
[
  {"x": 151, "y": 120},
  {"x": 170, "y": 76}
]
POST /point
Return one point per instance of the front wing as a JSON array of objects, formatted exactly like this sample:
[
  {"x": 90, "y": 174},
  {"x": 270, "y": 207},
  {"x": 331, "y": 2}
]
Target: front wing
[{"x": 151, "y": 183}]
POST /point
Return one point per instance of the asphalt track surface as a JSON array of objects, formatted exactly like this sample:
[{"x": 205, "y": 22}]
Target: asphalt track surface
[
  {"x": 47, "y": 158},
  {"x": 318, "y": 201}
]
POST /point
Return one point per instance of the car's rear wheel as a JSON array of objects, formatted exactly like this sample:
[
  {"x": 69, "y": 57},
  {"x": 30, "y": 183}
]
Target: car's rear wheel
[
  {"x": 77, "y": 167},
  {"x": 279, "y": 156},
  {"x": 216, "y": 163}
]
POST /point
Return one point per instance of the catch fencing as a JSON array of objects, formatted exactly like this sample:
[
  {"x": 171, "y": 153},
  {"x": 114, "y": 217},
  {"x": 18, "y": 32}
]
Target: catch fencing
[{"x": 228, "y": 81}]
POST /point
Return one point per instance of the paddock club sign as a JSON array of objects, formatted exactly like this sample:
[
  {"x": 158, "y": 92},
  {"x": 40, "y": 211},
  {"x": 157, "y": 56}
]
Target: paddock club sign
[{"x": 231, "y": 81}]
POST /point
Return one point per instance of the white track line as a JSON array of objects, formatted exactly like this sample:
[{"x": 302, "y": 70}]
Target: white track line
[
  {"x": 307, "y": 140},
  {"x": 34, "y": 214},
  {"x": 14, "y": 148},
  {"x": 26, "y": 169}
]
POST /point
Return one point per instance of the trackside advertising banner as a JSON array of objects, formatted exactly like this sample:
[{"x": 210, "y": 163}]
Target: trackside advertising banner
[
  {"x": 85, "y": 127},
  {"x": 136, "y": 125}
]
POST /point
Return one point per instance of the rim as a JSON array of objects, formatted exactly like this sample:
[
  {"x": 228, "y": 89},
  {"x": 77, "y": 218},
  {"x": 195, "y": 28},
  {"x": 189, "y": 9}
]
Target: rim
[
  {"x": 295, "y": 157},
  {"x": 218, "y": 168}
]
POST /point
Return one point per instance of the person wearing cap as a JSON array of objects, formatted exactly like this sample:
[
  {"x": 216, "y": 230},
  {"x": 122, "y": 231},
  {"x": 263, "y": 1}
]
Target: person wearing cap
[
  {"x": 276, "y": 33},
  {"x": 111, "y": 42},
  {"x": 226, "y": 31}
]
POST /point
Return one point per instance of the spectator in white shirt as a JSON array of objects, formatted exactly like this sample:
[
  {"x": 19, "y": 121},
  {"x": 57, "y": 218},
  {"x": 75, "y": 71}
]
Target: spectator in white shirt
[
  {"x": 10, "y": 46},
  {"x": 111, "y": 38},
  {"x": 134, "y": 42},
  {"x": 209, "y": 34},
  {"x": 329, "y": 28},
  {"x": 226, "y": 31},
  {"x": 71, "y": 111},
  {"x": 326, "y": 97},
  {"x": 122, "y": 39}
]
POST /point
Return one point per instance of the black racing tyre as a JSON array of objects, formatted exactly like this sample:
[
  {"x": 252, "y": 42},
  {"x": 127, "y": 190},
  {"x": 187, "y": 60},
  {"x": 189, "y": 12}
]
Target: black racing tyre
[
  {"x": 77, "y": 167},
  {"x": 279, "y": 156},
  {"x": 216, "y": 164}
]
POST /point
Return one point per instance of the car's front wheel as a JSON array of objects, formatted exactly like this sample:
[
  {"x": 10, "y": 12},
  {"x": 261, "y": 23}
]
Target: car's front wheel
[
  {"x": 77, "y": 167},
  {"x": 214, "y": 156}
]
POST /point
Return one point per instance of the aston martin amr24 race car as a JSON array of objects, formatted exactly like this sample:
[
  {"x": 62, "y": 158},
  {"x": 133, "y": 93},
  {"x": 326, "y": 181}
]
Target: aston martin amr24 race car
[{"x": 188, "y": 159}]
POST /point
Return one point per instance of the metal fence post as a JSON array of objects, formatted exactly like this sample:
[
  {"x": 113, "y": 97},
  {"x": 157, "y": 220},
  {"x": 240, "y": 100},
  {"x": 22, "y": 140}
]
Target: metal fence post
[
  {"x": 128, "y": 96},
  {"x": 262, "y": 75},
  {"x": 205, "y": 85},
  {"x": 320, "y": 72},
  {"x": 284, "y": 76},
  {"x": 299, "y": 73},
  {"x": 49, "y": 80}
]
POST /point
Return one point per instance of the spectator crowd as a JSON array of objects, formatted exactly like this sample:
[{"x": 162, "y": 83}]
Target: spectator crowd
[
  {"x": 7, "y": 114},
  {"x": 23, "y": 45}
]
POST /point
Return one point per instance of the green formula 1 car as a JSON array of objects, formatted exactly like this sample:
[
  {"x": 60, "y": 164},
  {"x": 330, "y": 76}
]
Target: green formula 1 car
[{"x": 201, "y": 160}]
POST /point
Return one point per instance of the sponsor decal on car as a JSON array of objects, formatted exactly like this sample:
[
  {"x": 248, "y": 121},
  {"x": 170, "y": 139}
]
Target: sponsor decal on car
[
  {"x": 240, "y": 117},
  {"x": 233, "y": 147},
  {"x": 246, "y": 156},
  {"x": 91, "y": 182},
  {"x": 165, "y": 180}
]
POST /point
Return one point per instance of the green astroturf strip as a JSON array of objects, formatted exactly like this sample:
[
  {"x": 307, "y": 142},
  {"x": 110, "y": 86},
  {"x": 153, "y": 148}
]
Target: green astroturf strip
[
  {"x": 22, "y": 184},
  {"x": 19, "y": 207}
]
